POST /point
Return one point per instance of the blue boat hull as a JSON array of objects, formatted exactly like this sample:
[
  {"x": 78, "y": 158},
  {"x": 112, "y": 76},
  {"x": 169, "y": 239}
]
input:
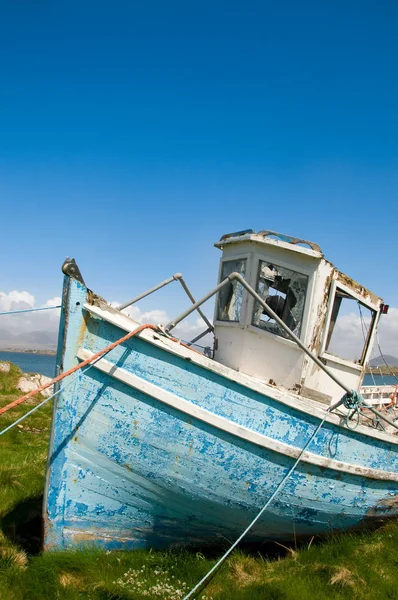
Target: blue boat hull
[{"x": 150, "y": 448}]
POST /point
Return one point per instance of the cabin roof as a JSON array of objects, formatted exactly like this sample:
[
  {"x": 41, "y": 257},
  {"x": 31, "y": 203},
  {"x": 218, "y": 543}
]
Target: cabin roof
[
  {"x": 313, "y": 250},
  {"x": 268, "y": 237}
]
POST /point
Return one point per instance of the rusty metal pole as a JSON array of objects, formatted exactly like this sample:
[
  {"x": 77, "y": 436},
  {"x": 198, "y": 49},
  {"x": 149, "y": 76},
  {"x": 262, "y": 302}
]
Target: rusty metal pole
[
  {"x": 273, "y": 315},
  {"x": 174, "y": 277}
]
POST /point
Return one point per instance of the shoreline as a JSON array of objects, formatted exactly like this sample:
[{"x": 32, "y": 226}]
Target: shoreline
[
  {"x": 382, "y": 371},
  {"x": 28, "y": 351}
]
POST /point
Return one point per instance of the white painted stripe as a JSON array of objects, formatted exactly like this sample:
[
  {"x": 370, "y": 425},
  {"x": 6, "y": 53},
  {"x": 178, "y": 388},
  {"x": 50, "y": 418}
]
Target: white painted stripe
[
  {"x": 309, "y": 407},
  {"x": 229, "y": 426}
]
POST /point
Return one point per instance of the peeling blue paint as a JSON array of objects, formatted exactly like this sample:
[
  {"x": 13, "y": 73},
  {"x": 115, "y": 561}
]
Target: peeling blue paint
[{"x": 126, "y": 470}]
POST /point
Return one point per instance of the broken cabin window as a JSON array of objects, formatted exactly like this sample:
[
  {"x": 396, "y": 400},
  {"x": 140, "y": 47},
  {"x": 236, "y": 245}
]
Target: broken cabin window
[
  {"x": 284, "y": 291},
  {"x": 350, "y": 327},
  {"x": 230, "y": 297}
]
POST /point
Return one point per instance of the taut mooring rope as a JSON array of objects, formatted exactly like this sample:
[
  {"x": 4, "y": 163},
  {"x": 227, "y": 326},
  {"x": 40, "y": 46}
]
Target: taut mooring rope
[
  {"x": 26, "y": 310},
  {"x": 77, "y": 367}
]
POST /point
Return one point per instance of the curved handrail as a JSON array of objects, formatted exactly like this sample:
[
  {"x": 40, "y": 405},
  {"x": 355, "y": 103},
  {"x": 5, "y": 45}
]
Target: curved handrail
[
  {"x": 290, "y": 239},
  {"x": 268, "y": 233}
]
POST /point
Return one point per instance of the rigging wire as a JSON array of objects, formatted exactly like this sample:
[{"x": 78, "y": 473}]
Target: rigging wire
[
  {"x": 365, "y": 333},
  {"x": 363, "y": 325},
  {"x": 383, "y": 357},
  {"x": 364, "y": 328}
]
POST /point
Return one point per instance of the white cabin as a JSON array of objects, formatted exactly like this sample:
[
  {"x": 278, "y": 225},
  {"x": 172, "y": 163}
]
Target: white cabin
[{"x": 311, "y": 296}]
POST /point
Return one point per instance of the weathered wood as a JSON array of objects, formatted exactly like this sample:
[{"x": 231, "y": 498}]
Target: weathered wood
[{"x": 158, "y": 445}]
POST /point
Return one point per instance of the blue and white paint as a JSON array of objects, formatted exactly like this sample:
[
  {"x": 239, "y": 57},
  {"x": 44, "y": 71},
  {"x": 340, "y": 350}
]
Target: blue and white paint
[{"x": 155, "y": 445}]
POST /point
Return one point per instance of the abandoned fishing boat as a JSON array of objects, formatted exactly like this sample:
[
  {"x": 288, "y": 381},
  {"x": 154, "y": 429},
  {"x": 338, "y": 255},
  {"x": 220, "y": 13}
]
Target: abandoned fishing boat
[{"x": 154, "y": 444}]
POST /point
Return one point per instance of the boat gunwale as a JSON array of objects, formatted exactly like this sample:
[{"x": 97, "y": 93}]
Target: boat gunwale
[
  {"x": 286, "y": 397},
  {"x": 227, "y": 425}
]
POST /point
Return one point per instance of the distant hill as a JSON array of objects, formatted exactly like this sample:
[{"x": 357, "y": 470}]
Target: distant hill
[
  {"x": 379, "y": 362},
  {"x": 35, "y": 340}
]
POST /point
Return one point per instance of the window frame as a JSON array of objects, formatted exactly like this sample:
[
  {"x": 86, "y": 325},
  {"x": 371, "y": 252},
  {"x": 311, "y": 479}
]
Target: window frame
[
  {"x": 302, "y": 270},
  {"x": 323, "y": 353},
  {"x": 241, "y": 323}
]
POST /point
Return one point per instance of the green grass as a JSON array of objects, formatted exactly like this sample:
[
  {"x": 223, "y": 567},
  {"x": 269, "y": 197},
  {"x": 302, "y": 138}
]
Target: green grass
[{"x": 346, "y": 566}]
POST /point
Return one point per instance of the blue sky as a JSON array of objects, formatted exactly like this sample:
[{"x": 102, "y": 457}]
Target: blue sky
[{"x": 133, "y": 135}]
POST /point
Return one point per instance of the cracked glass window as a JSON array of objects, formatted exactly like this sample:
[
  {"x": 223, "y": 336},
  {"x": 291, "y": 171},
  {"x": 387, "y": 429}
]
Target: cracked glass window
[
  {"x": 284, "y": 291},
  {"x": 230, "y": 297}
]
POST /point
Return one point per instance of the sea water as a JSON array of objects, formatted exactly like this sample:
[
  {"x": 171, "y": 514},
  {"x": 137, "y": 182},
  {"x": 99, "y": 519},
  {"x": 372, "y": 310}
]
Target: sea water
[
  {"x": 380, "y": 379},
  {"x": 31, "y": 363}
]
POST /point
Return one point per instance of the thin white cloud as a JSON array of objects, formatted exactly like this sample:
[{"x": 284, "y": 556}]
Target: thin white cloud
[
  {"x": 56, "y": 301},
  {"x": 348, "y": 336},
  {"x": 28, "y": 330},
  {"x": 388, "y": 332},
  {"x": 186, "y": 330},
  {"x": 16, "y": 300}
]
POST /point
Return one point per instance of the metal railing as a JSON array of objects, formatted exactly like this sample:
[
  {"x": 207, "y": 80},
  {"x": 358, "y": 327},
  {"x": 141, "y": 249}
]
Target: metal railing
[
  {"x": 238, "y": 277},
  {"x": 180, "y": 278}
]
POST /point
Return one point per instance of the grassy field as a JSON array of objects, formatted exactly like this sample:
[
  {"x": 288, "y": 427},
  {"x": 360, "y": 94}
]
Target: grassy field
[{"x": 346, "y": 566}]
